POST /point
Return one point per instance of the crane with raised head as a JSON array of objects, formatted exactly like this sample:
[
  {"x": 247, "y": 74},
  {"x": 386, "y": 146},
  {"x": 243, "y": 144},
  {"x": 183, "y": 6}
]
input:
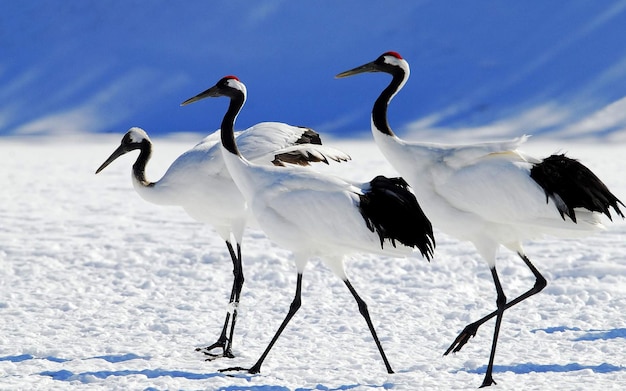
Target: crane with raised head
[
  {"x": 319, "y": 215},
  {"x": 490, "y": 194}
]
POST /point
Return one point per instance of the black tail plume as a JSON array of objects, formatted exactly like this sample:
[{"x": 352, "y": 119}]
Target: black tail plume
[
  {"x": 390, "y": 209},
  {"x": 572, "y": 185}
]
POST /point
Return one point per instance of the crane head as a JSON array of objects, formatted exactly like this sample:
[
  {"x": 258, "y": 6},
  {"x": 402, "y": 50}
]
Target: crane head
[
  {"x": 226, "y": 86},
  {"x": 388, "y": 62},
  {"x": 135, "y": 138}
]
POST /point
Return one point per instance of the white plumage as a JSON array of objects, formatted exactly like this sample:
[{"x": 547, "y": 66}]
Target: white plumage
[
  {"x": 317, "y": 215},
  {"x": 199, "y": 182},
  {"x": 490, "y": 194}
]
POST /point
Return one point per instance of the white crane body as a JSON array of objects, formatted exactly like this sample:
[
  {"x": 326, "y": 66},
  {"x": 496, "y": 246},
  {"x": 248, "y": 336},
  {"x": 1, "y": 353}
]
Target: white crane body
[
  {"x": 318, "y": 215},
  {"x": 490, "y": 194}
]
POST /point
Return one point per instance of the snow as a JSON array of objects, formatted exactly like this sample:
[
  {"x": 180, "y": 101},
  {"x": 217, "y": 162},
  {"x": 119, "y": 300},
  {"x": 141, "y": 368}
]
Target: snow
[{"x": 101, "y": 290}]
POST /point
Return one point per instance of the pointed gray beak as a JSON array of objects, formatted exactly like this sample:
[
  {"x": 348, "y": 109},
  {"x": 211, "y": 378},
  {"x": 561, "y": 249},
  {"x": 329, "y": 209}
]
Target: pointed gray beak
[
  {"x": 210, "y": 93},
  {"x": 117, "y": 153},
  {"x": 369, "y": 67}
]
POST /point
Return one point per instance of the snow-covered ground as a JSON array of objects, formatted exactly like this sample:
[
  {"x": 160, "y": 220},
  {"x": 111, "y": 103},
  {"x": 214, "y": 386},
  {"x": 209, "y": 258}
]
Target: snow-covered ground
[{"x": 101, "y": 290}]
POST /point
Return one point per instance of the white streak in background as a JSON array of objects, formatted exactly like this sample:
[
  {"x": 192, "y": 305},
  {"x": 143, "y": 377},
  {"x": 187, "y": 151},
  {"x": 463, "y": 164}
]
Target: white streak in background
[
  {"x": 12, "y": 87},
  {"x": 338, "y": 122},
  {"x": 581, "y": 116},
  {"x": 68, "y": 122},
  {"x": 611, "y": 120},
  {"x": 28, "y": 102},
  {"x": 262, "y": 11},
  {"x": 607, "y": 79},
  {"x": 80, "y": 83},
  {"x": 431, "y": 120},
  {"x": 4, "y": 117},
  {"x": 530, "y": 121},
  {"x": 106, "y": 107},
  {"x": 27, "y": 96},
  {"x": 576, "y": 109},
  {"x": 557, "y": 120},
  {"x": 568, "y": 40},
  {"x": 9, "y": 93},
  {"x": 604, "y": 17}
]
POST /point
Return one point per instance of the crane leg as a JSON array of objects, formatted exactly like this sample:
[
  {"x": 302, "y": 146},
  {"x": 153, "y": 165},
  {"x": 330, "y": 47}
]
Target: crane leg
[
  {"x": 225, "y": 340},
  {"x": 293, "y": 308},
  {"x": 470, "y": 330},
  {"x": 501, "y": 304},
  {"x": 364, "y": 311},
  {"x": 237, "y": 286}
]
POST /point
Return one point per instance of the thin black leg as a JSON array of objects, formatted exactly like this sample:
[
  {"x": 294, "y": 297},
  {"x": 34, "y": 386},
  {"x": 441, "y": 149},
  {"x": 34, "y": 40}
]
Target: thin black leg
[
  {"x": 293, "y": 308},
  {"x": 470, "y": 330},
  {"x": 364, "y": 311},
  {"x": 501, "y": 303},
  {"x": 237, "y": 286},
  {"x": 224, "y": 341}
]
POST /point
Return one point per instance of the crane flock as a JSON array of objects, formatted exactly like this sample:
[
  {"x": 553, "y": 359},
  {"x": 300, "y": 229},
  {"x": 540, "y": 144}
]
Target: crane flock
[{"x": 490, "y": 194}]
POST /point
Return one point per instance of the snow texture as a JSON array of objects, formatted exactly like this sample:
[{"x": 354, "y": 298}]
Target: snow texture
[{"x": 103, "y": 291}]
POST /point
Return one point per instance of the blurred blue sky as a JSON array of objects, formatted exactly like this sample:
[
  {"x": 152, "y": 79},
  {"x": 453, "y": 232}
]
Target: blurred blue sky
[{"x": 494, "y": 67}]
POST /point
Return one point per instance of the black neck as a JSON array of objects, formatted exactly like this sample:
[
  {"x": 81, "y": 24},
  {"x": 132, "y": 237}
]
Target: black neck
[
  {"x": 379, "y": 112},
  {"x": 228, "y": 123},
  {"x": 139, "y": 168}
]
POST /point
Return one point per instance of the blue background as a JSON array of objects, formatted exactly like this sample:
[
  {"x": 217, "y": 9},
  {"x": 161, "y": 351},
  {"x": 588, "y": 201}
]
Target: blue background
[{"x": 516, "y": 67}]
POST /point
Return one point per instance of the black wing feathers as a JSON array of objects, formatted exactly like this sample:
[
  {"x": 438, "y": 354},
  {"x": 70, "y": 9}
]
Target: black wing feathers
[
  {"x": 309, "y": 136},
  {"x": 572, "y": 185},
  {"x": 391, "y": 210}
]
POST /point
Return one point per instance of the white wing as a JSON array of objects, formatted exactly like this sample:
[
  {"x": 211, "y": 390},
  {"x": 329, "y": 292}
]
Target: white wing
[
  {"x": 498, "y": 188},
  {"x": 259, "y": 144},
  {"x": 303, "y": 206},
  {"x": 458, "y": 156},
  {"x": 262, "y": 142}
]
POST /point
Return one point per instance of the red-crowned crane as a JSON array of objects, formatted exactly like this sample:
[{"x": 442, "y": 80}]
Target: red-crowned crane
[
  {"x": 199, "y": 182},
  {"x": 318, "y": 215},
  {"x": 490, "y": 194}
]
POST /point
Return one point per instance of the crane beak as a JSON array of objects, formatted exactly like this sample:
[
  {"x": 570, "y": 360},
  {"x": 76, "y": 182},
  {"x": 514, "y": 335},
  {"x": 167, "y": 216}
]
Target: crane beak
[
  {"x": 117, "y": 153},
  {"x": 369, "y": 67},
  {"x": 210, "y": 93}
]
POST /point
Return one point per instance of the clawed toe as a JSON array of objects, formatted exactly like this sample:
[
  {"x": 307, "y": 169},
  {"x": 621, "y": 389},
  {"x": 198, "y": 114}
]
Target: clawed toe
[
  {"x": 212, "y": 356},
  {"x": 251, "y": 371},
  {"x": 207, "y": 351},
  {"x": 233, "y": 369},
  {"x": 256, "y": 368},
  {"x": 468, "y": 332}
]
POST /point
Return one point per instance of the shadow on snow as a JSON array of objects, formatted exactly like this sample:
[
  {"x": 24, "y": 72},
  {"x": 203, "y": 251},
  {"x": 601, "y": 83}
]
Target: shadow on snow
[
  {"x": 86, "y": 377},
  {"x": 24, "y": 357},
  {"x": 590, "y": 335},
  {"x": 529, "y": 368},
  {"x": 110, "y": 358}
]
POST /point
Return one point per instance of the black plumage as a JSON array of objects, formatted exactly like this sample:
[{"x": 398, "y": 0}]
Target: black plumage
[
  {"x": 309, "y": 136},
  {"x": 572, "y": 185},
  {"x": 391, "y": 210}
]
